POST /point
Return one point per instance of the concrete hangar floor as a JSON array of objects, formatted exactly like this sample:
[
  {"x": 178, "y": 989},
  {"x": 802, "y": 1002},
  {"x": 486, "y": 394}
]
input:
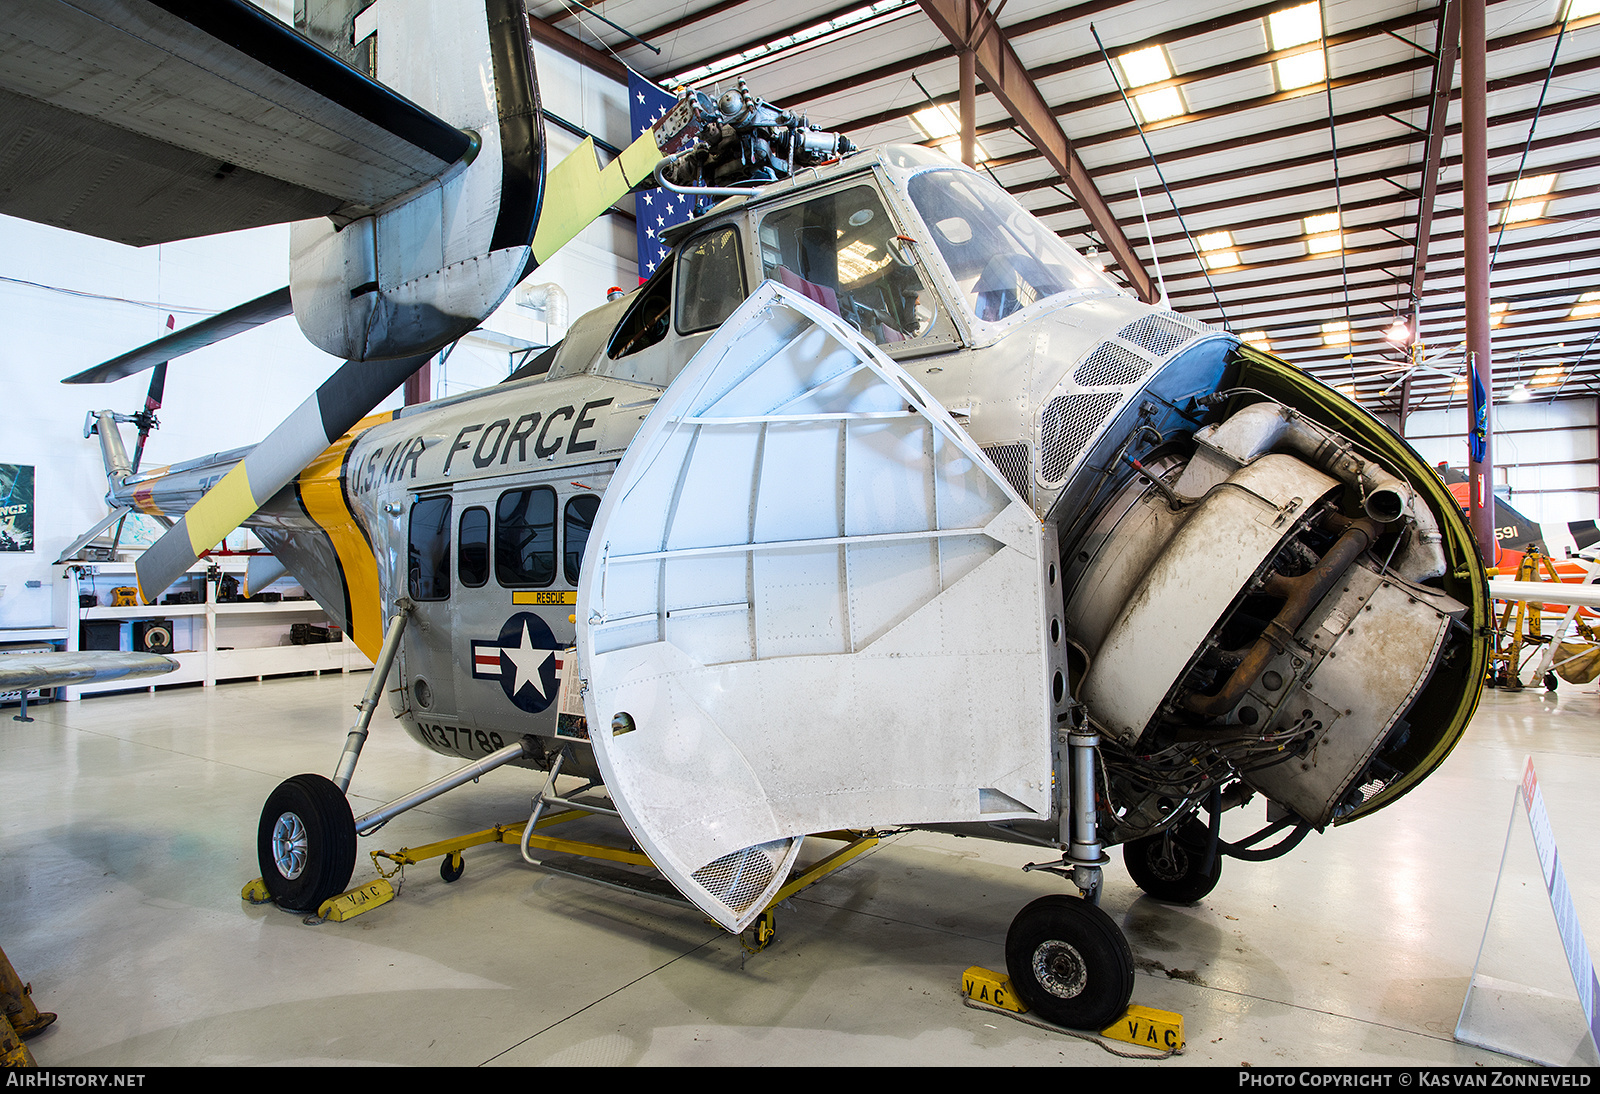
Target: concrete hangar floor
[{"x": 127, "y": 829}]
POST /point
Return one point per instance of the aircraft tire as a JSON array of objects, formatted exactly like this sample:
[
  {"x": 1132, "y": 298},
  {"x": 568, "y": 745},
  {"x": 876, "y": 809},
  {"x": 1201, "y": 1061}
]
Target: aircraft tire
[
  {"x": 306, "y": 842},
  {"x": 1070, "y": 963},
  {"x": 1169, "y": 871}
]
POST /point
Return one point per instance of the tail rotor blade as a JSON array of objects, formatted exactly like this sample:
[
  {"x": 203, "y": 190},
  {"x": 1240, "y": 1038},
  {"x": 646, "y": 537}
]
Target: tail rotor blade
[
  {"x": 342, "y": 400},
  {"x": 146, "y": 418}
]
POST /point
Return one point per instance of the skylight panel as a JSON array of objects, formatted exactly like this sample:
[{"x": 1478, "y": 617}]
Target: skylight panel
[
  {"x": 941, "y": 125},
  {"x": 1528, "y": 197},
  {"x": 937, "y": 121},
  {"x": 1297, "y": 26},
  {"x": 1290, "y": 27},
  {"x": 1336, "y": 333},
  {"x": 1256, "y": 338},
  {"x": 1159, "y": 105},
  {"x": 1218, "y": 250},
  {"x": 1588, "y": 305},
  {"x": 1548, "y": 375},
  {"x": 1322, "y": 232},
  {"x": 1143, "y": 67}
]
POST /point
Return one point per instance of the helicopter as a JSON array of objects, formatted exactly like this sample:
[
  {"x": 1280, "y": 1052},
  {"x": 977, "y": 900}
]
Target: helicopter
[{"x": 879, "y": 506}]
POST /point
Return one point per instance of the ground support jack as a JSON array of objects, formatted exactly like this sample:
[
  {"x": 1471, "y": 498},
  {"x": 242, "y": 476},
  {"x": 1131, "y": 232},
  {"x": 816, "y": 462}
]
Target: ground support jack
[
  {"x": 19, "y": 1018},
  {"x": 453, "y": 863}
]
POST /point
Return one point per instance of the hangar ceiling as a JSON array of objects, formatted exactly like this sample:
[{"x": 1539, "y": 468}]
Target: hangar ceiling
[{"x": 1301, "y": 130}]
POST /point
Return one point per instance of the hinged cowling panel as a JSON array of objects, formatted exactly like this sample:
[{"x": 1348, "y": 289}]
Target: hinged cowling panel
[{"x": 808, "y": 603}]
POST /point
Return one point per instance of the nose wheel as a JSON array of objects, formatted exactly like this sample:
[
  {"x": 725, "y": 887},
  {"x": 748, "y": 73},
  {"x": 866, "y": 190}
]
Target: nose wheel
[
  {"x": 1070, "y": 963},
  {"x": 306, "y": 842}
]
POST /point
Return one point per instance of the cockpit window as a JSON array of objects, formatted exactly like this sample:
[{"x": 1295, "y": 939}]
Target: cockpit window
[
  {"x": 649, "y": 318},
  {"x": 843, "y": 251},
  {"x": 710, "y": 280},
  {"x": 1002, "y": 258}
]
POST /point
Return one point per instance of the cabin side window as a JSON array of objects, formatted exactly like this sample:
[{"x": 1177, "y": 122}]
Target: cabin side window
[
  {"x": 525, "y": 537},
  {"x": 579, "y": 519},
  {"x": 648, "y": 320},
  {"x": 843, "y": 251},
  {"x": 428, "y": 548},
  {"x": 472, "y": 551},
  {"x": 710, "y": 280}
]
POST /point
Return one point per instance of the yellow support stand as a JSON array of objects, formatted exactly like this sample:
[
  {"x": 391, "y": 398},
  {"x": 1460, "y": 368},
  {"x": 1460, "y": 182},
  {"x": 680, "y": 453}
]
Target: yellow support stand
[{"x": 1519, "y": 626}]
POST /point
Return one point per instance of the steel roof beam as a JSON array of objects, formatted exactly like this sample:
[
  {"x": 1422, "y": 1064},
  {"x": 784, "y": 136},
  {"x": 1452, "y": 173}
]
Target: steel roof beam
[{"x": 969, "y": 21}]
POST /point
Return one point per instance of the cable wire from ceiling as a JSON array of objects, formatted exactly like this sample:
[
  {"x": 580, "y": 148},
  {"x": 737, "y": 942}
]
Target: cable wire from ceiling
[
  {"x": 1338, "y": 193},
  {"x": 1505, "y": 217},
  {"x": 1193, "y": 247}
]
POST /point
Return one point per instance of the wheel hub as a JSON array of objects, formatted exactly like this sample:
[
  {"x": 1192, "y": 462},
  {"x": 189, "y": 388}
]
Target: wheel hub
[
  {"x": 289, "y": 845},
  {"x": 1169, "y": 861},
  {"x": 1060, "y": 970}
]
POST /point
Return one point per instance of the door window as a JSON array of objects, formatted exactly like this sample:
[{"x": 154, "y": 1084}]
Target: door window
[
  {"x": 473, "y": 550},
  {"x": 428, "y": 576},
  {"x": 579, "y": 519}
]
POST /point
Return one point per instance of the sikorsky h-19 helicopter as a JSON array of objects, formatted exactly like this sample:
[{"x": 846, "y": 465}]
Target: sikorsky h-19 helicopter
[{"x": 878, "y": 505}]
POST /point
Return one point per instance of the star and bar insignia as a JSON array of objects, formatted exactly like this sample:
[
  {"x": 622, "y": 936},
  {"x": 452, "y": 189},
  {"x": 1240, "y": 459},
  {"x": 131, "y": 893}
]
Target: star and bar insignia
[{"x": 526, "y": 659}]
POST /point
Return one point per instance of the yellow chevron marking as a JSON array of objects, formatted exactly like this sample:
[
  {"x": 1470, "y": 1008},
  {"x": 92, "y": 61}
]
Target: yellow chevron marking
[
  {"x": 223, "y": 508},
  {"x": 576, "y": 190}
]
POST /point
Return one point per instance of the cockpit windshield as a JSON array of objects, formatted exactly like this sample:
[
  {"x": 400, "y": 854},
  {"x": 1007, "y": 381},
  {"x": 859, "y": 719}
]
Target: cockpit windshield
[{"x": 1002, "y": 258}]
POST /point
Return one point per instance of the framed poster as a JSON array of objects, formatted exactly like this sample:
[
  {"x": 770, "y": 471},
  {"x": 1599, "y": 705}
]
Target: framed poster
[{"x": 16, "y": 507}]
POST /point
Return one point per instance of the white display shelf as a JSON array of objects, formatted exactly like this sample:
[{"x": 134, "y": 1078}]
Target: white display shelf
[{"x": 235, "y": 641}]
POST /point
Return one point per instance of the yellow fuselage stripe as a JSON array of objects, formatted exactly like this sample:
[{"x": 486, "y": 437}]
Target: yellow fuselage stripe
[{"x": 323, "y": 497}]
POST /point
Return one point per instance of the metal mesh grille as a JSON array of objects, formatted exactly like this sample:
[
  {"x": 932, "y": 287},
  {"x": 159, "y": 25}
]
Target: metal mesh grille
[
  {"x": 1110, "y": 365},
  {"x": 1158, "y": 334},
  {"x": 739, "y": 879},
  {"x": 1012, "y": 461},
  {"x": 1067, "y": 425}
]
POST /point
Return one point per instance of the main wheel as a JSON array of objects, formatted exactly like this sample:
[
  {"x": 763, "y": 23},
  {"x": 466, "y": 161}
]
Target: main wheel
[
  {"x": 306, "y": 842},
  {"x": 1167, "y": 866},
  {"x": 1070, "y": 963}
]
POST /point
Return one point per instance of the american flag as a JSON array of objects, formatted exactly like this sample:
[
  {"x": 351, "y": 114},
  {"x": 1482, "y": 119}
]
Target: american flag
[{"x": 656, "y": 209}]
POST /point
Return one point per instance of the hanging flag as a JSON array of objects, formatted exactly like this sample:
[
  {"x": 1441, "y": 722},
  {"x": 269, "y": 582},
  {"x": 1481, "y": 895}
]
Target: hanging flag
[
  {"x": 1478, "y": 436},
  {"x": 658, "y": 209}
]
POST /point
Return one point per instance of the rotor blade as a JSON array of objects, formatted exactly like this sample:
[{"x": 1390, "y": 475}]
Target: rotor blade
[
  {"x": 147, "y": 417},
  {"x": 342, "y": 400},
  {"x": 247, "y": 316}
]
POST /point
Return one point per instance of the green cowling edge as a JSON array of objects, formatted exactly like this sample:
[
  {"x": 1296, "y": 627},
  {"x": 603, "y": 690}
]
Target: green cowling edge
[{"x": 1451, "y": 695}]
